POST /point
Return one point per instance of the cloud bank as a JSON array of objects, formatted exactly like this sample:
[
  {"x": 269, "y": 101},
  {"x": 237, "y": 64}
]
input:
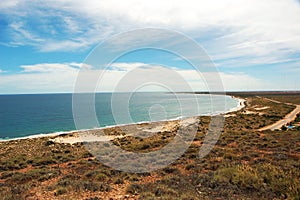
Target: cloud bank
[
  {"x": 56, "y": 77},
  {"x": 242, "y": 38},
  {"x": 254, "y": 31}
]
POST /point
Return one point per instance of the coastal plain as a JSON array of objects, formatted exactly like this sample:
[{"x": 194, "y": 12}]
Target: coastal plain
[{"x": 249, "y": 160}]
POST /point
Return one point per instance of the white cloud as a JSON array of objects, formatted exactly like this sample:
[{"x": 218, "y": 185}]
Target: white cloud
[
  {"x": 125, "y": 66},
  {"x": 54, "y": 67},
  {"x": 2, "y": 71},
  {"x": 46, "y": 68},
  {"x": 41, "y": 78},
  {"x": 55, "y": 77},
  {"x": 22, "y": 34},
  {"x": 255, "y": 31},
  {"x": 8, "y": 4}
]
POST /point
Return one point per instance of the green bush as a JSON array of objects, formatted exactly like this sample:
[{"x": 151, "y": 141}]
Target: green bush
[
  {"x": 60, "y": 191},
  {"x": 133, "y": 188},
  {"x": 43, "y": 161},
  {"x": 279, "y": 181},
  {"x": 243, "y": 176},
  {"x": 34, "y": 174},
  {"x": 284, "y": 128},
  {"x": 101, "y": 177}
]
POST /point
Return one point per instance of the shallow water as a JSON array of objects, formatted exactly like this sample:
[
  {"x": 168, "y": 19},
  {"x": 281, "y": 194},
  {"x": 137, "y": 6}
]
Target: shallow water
[{"x": 25, "y": 115}]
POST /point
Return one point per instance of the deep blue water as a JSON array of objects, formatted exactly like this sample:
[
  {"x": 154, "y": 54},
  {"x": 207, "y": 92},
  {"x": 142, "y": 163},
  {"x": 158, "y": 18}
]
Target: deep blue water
[{"x": 25, "y": 115}]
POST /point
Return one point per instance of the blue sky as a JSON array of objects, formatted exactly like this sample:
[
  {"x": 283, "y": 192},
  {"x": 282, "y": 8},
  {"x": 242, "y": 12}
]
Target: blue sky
[{"x": 255, "y": 44}]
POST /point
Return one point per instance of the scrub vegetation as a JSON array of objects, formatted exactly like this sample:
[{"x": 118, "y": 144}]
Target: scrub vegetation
[{"x": 244, "y": 164}]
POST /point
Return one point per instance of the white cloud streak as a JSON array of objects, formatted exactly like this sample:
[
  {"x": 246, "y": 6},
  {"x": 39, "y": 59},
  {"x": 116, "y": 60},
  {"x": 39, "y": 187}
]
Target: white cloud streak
[{"x": 54, "y": 67}]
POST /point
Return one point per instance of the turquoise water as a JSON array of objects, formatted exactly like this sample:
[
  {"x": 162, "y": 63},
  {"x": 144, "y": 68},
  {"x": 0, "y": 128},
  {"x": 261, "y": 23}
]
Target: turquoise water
[{"x": 26, "y": 115}]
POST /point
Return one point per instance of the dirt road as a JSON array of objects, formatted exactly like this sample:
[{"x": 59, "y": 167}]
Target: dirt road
[{"x": 287, "y": 119}]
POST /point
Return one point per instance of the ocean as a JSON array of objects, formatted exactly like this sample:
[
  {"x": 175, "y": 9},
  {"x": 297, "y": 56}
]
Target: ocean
[{"x": 33, "y": 114}]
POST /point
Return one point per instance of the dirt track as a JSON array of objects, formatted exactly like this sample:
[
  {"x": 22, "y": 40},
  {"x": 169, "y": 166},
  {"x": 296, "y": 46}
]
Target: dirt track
[{"x": 287, "y": 119}]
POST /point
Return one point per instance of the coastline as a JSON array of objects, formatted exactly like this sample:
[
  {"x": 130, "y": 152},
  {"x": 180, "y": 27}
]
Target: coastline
[{"x": 240, "y": 105}]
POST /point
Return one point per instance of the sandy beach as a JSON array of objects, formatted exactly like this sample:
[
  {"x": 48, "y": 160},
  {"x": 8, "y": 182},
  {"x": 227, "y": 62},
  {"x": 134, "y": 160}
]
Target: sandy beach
[{"x": 142, "y": 130}]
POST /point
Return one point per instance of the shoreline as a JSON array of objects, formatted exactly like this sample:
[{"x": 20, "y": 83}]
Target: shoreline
[{"x": 240, "y": 105}]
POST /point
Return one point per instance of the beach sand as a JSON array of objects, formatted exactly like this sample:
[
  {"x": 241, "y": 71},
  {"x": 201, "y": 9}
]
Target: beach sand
[{"x": 143, "y": 130}]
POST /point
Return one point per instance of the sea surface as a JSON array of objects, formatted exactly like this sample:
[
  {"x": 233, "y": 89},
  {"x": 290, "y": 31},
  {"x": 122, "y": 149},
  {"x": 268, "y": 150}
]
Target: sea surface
[{"x": 32, "y": 114}]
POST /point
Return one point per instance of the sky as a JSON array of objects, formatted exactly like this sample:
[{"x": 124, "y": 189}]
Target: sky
[{"x": 254, "y": 44}]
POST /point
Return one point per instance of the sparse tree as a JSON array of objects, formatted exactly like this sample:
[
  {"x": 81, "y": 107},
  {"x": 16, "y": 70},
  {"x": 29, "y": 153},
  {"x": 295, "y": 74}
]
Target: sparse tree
[{"x": 284, "y": 128}]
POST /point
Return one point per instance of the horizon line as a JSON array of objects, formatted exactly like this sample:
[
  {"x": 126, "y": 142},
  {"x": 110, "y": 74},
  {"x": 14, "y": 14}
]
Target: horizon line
[{"x": 196, "y": 92}]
